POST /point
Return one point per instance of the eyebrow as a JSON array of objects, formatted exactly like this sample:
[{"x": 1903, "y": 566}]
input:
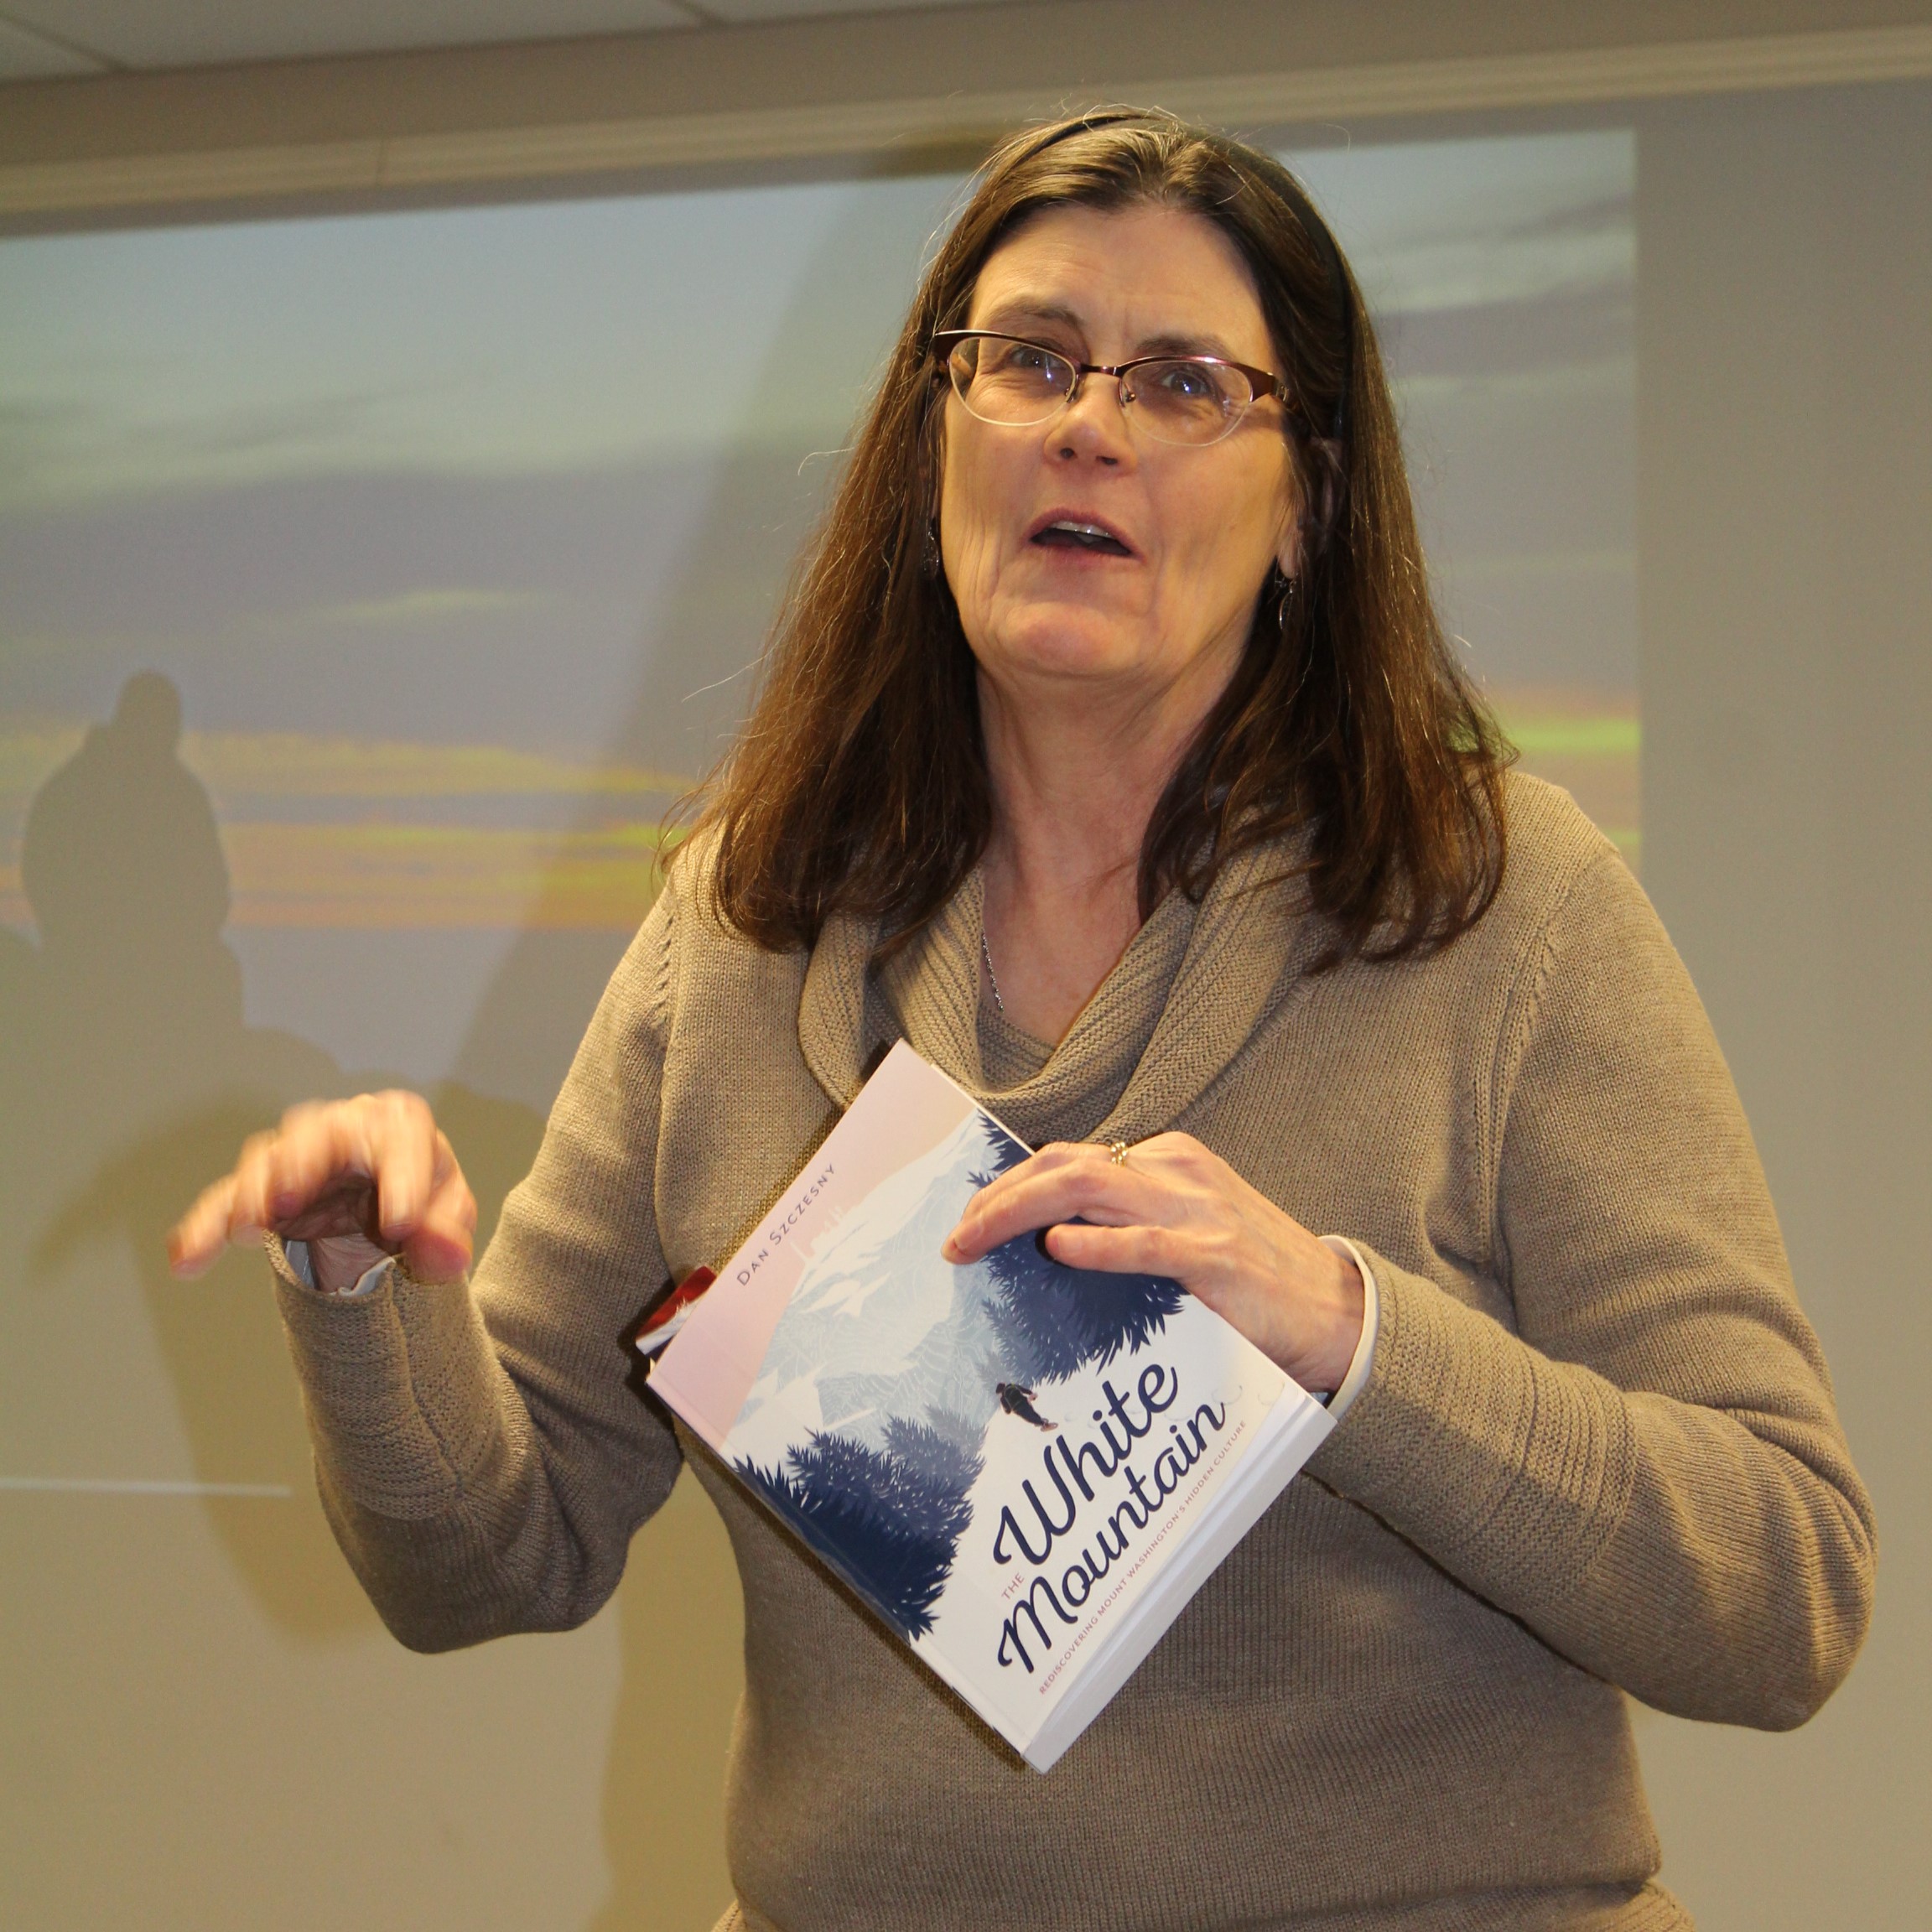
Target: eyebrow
[{"x": 1013, "y": 316}]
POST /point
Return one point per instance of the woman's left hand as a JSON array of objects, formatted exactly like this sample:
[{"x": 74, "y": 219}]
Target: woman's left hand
[{"x": 1173, "y": 1208}]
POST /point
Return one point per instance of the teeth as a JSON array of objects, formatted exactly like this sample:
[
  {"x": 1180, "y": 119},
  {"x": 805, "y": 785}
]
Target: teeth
[{"x": 1082, "y": 529}]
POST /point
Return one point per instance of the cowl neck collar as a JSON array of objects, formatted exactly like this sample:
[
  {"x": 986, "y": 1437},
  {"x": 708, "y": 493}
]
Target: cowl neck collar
[{"x": 1193, "y": 983}]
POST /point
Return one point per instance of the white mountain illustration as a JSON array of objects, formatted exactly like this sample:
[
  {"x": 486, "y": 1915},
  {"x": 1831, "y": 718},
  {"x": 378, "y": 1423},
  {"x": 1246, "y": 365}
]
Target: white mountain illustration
[{"x": 845, "y": 1355}]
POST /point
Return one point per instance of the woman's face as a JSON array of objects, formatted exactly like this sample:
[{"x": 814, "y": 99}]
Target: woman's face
[{"x": 1164, "y": 607}]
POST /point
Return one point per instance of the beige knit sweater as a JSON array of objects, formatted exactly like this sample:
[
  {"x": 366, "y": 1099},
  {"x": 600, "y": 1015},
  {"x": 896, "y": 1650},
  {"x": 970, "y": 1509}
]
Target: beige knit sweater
[{"x": 1596, "y": 1454}]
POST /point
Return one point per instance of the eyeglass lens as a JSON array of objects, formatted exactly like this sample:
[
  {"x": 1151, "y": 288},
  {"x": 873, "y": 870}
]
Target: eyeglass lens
[{"x": 1177, "y": 400}]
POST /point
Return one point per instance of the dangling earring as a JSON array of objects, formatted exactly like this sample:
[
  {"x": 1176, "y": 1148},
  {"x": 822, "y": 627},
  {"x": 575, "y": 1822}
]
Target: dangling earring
[
  {"x": 1281, "y": 588},
  {"x": 930, "y": 560}
]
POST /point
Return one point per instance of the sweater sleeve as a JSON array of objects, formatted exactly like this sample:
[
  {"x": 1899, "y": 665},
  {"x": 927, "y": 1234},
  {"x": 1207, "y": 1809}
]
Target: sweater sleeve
[
  {"x": 1649, "y": 1473},
  {"x": 481, "y": 1453}
]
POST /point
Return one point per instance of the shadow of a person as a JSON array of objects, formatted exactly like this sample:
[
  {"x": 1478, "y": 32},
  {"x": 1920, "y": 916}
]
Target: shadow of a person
[
  {"x": 140, "y": 1076},
  {"x": 141, "y": 1080},
  {"x": 124, "y": 868}
]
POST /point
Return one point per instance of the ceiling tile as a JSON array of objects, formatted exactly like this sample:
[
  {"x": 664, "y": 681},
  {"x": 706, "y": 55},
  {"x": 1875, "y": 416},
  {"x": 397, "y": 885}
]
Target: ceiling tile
[
  {"x": 195, "y": 32},
  {"x": 25, "y": 56}
]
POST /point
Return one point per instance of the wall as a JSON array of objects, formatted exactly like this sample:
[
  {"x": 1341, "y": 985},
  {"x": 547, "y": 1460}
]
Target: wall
[{"x": 1785, "y": 476}]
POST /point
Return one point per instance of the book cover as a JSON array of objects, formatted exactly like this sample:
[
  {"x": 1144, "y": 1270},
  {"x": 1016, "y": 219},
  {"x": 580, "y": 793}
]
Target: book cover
[{"x": 1025, "y": 1469}]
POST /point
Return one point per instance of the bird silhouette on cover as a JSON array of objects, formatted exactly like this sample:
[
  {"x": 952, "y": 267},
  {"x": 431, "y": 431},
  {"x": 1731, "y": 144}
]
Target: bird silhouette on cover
[{"x": 1018, "y": 1401}]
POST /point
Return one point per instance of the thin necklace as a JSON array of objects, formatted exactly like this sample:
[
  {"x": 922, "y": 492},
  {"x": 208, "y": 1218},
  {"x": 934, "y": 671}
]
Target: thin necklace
[{"x": 992, "y": 977}]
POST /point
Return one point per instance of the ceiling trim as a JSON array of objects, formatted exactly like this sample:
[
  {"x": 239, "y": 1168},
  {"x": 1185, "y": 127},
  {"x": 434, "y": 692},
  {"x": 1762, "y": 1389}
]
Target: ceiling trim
[{"x": 517, "y": 156}]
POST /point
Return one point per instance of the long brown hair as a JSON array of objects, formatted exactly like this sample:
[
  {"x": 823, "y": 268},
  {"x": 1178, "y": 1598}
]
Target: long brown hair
[{"x": 859, "y": 783}]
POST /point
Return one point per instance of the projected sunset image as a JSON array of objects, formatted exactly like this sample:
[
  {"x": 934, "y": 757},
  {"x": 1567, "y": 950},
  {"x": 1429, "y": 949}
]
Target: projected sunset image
[
  {"x": 457, "y": 533},
  {"x": 322, "y": 833}
]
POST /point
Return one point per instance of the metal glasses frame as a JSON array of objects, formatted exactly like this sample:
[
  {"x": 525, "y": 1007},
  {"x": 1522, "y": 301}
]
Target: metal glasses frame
[{"x": 1262, "y": 383}]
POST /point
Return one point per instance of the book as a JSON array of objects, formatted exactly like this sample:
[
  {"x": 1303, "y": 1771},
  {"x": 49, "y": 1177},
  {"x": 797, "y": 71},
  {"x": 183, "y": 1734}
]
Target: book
[{"x": 1025, "y": 1470}]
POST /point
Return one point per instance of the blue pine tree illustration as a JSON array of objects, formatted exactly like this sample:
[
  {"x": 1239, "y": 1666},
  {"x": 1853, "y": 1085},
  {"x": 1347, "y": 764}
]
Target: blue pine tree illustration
[
  {"x": 1052, "y": 1319},
  {"x": 889, "y": 1520}
]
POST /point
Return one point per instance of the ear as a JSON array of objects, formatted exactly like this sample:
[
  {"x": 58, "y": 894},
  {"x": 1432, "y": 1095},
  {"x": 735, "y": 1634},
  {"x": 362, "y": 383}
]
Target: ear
[
  {"x": 1298, "y": 515},
  {"x": 1288, "y": 545},
  {"x": 1324, "y": 491}
]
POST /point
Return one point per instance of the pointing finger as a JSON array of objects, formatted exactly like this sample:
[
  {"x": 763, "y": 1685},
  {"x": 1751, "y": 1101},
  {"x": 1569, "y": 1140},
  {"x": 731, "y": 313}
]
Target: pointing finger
[
  {"x": 250, "y": 1208},
  {"x": 195, "y": 1242}
]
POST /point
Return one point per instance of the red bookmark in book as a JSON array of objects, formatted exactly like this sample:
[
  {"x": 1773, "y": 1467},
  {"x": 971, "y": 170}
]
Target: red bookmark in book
[{"x": 667, "y": 1317}]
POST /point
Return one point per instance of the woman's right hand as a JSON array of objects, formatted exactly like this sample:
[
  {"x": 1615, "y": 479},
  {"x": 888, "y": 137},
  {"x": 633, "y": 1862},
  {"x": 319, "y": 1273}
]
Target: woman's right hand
[{"x": 358, "y": 1180}]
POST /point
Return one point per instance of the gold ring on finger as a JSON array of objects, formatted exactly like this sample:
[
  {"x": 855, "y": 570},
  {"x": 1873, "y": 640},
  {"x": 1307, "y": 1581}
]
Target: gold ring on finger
[{"x": 1117, "y": 1153}]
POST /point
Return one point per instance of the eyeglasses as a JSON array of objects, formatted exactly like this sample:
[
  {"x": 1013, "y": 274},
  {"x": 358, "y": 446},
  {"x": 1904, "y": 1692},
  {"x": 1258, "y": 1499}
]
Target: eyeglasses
[{"x": 1192, "y": 399}]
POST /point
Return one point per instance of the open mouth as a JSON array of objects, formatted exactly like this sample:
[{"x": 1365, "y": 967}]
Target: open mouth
[{"x": 1065, "y": 534}]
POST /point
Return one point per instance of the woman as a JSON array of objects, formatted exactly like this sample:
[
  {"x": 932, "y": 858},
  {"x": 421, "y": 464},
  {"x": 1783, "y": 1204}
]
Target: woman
[{"x": 1111, "y": 755}]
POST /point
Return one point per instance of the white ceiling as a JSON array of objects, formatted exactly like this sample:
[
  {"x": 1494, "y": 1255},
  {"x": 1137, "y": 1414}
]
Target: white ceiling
[{"x": 40, "y": 38}]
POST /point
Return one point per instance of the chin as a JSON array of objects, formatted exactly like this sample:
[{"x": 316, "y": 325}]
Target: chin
[{"x": 1071, "y": 641}]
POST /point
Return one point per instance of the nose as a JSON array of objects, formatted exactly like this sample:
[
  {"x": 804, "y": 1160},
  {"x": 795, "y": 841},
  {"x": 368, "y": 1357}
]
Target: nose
[{"x": 1091, "y": 427}]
